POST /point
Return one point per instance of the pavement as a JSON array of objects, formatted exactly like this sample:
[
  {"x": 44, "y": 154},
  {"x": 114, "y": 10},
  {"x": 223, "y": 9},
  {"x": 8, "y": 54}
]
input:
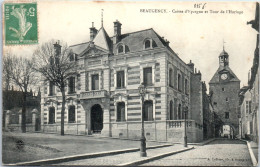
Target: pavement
[
  {"x": 254, "y": 147},
  {"x": 126, "y": 159},
  {"x": 220, "y": 152},
  {"x": 38, "y": 146},
  {"x": 253, "y": 150}
]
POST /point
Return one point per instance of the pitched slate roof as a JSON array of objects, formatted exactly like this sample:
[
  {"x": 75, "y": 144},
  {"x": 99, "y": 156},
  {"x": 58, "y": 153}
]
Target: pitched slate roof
[
  {"x": 79, "y": 48},
  {"x": 135, "y": 40},
  {"x": 215, "y": 78}
]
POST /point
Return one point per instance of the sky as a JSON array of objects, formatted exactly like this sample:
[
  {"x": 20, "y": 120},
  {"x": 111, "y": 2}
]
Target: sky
[{"x": 194, "y": 36}]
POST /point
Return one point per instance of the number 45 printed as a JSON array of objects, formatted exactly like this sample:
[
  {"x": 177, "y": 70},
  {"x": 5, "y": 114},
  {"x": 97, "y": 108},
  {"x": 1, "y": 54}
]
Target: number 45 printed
[{"x": 21, "y": 23}]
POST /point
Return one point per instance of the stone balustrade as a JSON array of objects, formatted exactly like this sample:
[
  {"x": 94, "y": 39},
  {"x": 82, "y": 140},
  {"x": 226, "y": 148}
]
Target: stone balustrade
[{"x": 93, "y": 94}]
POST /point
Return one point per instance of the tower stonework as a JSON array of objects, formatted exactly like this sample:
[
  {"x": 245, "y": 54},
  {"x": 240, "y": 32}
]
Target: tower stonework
[{"x": 224, "y": 87}]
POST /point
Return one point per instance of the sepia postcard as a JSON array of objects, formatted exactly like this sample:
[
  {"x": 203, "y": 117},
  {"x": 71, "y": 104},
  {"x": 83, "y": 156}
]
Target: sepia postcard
[{"x": 130, "y": 83}]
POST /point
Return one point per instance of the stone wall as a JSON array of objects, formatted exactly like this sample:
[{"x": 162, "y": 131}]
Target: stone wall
[{"x": 170, "y": 131}]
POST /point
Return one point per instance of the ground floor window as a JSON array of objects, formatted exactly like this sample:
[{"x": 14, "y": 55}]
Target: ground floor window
[
  {"x": 51, "y": 115},
  {"x": 148, "y": 110},
  {"x": 179, "y": 112},
  {"x": 72, "y": 116},
  {"x": 172, "y": 115},
  {"x": 121, "y": 111},
  {"x": 227, "y": 115}
]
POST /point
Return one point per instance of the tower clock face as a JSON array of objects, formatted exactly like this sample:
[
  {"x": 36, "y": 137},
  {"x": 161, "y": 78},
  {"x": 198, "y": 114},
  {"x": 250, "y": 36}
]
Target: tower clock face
[{"x": 224, "y": 76}]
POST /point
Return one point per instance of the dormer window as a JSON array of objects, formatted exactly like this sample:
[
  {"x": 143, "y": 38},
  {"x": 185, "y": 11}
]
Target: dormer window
[
  {"x": 147, "y": 44},
  {"x": 120, "y": 49},
  {"x": 73, "y": 57}
]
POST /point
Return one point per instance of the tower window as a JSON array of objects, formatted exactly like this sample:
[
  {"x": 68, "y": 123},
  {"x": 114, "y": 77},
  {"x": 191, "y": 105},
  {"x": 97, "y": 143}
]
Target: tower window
[
  {"x": 226, "y": 115},
  {"x": 227, "y": 99},
  {"x": 223, "y": 89}
]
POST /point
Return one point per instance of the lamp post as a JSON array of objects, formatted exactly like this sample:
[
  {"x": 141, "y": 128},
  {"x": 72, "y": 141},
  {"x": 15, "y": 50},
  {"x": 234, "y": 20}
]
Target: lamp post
[
  {"x": 142, "y": 92},
  {"x": 185, "y": 126}
]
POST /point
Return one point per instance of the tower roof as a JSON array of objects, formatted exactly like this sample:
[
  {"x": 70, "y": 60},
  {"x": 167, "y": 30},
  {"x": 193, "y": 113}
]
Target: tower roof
[
  {"x": 215, "y": 78},
  {"x": 102, "y": 39},
  {"x": 223, "y": 53}
]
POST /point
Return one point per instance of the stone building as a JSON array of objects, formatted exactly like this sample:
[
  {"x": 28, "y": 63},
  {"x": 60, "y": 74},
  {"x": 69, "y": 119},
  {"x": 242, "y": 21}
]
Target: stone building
[
  {"x": 103, "y": 98},
  {"x": 254, "y": 80},
  {"x": 246, "y": 119},
  {"x": 225, "y": 87}
]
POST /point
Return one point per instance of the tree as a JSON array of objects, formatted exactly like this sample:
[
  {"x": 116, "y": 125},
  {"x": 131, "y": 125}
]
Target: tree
[
  {"x": 53, "y": 61},
  {"x": 7, "y": 61},
  {"x": 21, "y": 73}
]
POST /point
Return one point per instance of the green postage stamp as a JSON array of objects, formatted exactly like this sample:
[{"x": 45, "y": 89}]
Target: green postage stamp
[{"x": 20, "y": 21}]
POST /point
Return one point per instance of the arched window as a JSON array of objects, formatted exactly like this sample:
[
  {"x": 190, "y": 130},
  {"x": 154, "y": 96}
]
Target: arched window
[
  {"x": 51, "y": 115},
  {"x": 72, "y": 116},
  {"x": 121, "y": 111},
  {"x": 171, "y": 111},
  {"x": 179, "y": 112},
  {"x": 120, "y": 49},
  {"x": 147, "y": 44},
  {"x": 179, "y": 82},
  {"x": 170, "y": 78},
  {"x": 148, "y": 110}
]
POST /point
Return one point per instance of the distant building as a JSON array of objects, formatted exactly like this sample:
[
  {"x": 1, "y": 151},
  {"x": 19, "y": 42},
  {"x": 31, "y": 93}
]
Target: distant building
[
  {"x": 104, "y": 97},
  {"x": 246, "y": 118},
  {"x": 12, "y": 110},
  {"x": 208, "y": 114},
  {"x": 224, "y": 87}
]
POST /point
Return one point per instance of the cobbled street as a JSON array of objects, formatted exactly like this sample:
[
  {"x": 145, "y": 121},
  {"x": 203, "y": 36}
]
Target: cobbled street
[{"x": 221, "y": 152}]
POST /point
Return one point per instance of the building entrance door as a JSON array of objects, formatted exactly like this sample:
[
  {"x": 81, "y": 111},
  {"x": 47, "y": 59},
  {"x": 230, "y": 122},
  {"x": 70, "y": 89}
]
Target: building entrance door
[{"x": 96, "y": 118}]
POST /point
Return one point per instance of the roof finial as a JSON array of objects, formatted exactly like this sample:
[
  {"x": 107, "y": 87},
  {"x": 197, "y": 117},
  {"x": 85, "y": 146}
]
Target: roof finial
[
  {"x": 224, "y": 45},
  {"x": 102, "y": 17}
]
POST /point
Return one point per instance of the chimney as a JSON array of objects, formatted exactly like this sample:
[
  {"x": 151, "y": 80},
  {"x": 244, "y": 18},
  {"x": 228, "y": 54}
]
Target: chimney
[
  {"x": 117, "y": 31},
  {"x": 93, "y": 32},
  {"x": 198, "y": 75},
  {"x": 191, "y": 66},
  {"x": 57, "y": 48},
  {"x": 167, "y": 42}
]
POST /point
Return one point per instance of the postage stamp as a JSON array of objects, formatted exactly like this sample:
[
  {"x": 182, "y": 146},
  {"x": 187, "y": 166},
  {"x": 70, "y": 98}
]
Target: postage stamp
[{"x": 20, "y": 21}]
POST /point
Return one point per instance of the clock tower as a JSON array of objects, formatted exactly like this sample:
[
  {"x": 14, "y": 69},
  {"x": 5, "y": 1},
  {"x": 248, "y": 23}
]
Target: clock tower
[{"x": 224, "y": 87}]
